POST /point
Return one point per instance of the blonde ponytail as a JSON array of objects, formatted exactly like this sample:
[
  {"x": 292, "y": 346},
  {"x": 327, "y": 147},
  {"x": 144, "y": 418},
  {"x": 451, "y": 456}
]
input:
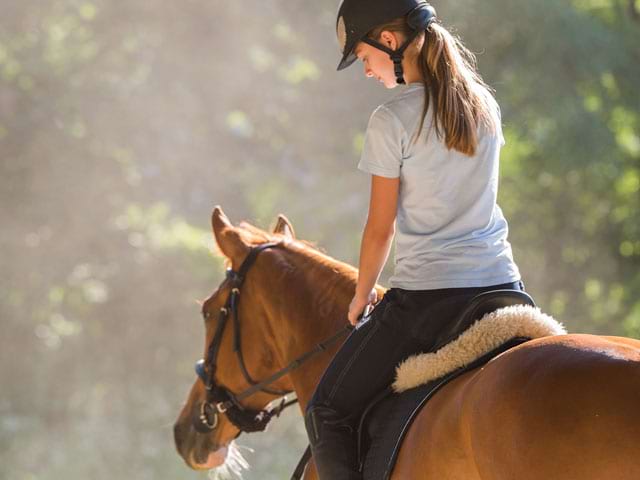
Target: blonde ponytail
[{"x": 462, "y": 102}]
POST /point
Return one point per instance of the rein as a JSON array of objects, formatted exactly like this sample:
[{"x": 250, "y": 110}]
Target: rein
[{"x": 220, "y": 399}]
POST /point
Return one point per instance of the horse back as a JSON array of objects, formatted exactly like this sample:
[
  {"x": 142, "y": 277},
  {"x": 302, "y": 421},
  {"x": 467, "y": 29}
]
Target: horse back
[{"x": 561, "y": 407}]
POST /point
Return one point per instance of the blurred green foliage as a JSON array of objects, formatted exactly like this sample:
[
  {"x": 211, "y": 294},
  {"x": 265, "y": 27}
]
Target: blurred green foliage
[{"x": 123, "y": 123}]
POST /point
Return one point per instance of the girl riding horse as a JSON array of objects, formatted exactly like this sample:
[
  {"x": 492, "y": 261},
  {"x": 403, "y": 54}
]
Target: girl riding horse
[{"x": 432, "y": 152}]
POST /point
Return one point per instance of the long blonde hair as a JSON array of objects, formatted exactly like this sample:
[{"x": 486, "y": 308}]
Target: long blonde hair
[{"x": 462, "y": 101}]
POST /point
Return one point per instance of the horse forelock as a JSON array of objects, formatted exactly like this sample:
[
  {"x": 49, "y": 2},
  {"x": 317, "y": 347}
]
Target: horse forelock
[{"x": 254, "y": 235}]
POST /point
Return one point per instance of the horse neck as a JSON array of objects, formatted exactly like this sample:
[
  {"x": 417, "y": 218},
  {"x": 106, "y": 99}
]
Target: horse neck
[{"x": 312, "y": 306}]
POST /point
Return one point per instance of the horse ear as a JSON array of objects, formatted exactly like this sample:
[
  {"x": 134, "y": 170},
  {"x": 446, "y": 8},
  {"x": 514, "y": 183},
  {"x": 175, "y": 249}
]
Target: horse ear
[
  {"x": 284, "y": 227},
  {"x": 227, "y": 237}
]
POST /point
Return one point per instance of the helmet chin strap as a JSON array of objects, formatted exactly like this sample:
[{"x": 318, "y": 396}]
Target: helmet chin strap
[{"x": 396, "y": 55}]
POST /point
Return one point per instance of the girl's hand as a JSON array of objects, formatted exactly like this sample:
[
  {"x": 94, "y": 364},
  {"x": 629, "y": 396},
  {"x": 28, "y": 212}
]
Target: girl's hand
[{"x": 358, "y": 303}]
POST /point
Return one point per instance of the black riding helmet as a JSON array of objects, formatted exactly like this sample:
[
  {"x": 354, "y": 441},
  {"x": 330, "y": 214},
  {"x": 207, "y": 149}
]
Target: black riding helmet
[{"x": 356, "y": 18}]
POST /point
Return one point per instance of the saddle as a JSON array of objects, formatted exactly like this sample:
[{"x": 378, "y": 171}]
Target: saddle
[{"x": 388, "y": 417}]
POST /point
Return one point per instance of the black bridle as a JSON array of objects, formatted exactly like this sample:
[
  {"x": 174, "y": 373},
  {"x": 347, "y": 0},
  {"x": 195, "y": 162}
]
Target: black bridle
[{"x": 220, "y": 399}]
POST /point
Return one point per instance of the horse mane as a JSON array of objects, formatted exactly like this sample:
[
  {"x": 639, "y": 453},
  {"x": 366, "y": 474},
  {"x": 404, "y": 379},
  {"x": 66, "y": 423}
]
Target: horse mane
[{"x": 256, "y": 236}]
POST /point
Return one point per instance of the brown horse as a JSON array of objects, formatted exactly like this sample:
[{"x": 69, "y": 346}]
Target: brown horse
[{"x": 561, "y": 407}]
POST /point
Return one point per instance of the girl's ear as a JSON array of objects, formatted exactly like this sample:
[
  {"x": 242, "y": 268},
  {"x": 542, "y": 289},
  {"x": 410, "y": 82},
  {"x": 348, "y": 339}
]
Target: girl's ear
[
  {"x": 228, "y": 238},
  {"x": 389, "y": 39}
]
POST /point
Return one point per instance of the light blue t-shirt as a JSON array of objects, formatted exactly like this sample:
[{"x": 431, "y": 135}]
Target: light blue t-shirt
[{"x": 450, "y": 232}]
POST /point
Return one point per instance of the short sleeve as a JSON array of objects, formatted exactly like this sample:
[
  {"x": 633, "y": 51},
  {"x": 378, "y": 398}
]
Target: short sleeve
[{"x": 382, "y": 152}]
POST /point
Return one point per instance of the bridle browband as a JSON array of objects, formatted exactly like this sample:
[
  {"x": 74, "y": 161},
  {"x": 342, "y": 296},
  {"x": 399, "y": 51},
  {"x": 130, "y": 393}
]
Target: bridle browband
[{"x": 221, "y": 400}]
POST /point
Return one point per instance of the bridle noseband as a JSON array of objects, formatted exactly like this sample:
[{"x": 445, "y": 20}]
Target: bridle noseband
[{"x": 221, "y": 400}]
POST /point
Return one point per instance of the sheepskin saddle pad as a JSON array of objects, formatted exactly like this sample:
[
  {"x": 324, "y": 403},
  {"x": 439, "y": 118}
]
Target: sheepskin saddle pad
[
  {"x": 387, "y": 419},
  {"x": 485, "y": 335}
]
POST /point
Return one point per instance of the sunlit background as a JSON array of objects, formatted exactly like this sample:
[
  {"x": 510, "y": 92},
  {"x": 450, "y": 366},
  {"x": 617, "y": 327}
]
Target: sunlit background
[{"x": 122, "y": 123}]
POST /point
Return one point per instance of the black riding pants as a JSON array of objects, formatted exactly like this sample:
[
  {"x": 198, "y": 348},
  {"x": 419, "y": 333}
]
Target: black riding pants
[{"x": 403, "y": 323}]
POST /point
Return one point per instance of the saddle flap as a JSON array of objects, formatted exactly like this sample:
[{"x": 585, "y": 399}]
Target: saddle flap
[{"x": 388, "y": 418}]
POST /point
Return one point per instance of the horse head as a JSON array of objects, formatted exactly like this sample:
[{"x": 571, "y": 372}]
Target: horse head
[{"x": 265, "y": 314}]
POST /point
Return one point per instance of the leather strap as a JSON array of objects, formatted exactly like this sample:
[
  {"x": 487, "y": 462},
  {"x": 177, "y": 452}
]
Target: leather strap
[{"x": 302, "y": 464}]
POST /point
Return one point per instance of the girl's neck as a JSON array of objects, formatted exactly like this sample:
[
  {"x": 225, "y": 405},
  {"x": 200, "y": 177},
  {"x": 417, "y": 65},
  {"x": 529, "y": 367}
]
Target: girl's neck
[{"x": 412, "y": 73}]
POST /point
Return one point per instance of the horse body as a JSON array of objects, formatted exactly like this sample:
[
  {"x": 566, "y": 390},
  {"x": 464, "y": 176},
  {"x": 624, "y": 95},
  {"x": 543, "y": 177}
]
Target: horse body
[{"x": 563, "y": 407}]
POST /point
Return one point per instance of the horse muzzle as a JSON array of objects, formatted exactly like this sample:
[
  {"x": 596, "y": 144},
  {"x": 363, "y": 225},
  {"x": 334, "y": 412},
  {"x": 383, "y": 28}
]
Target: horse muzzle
[
  {"x": 196, "y": 449},
  {"x": 213, "y": 459}
]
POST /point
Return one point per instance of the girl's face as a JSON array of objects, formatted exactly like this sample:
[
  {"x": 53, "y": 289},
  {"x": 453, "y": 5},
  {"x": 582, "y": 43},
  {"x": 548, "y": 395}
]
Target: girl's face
[{"x": 377, "y": 64}]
